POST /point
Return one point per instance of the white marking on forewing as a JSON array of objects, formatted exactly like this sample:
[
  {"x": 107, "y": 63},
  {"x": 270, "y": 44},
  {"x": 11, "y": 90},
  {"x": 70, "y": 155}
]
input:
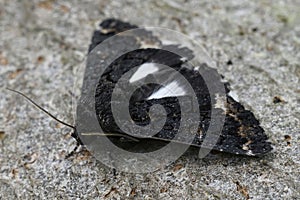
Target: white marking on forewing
[
  {"x": 220, "y": 102},
  {"x": 250, "y": 153},
  {"x": 183, "y": 59},
  {"x": 234, "y": 95},
  {"x": 173, "y": 89},
  {"x": 143, "y": 71}
]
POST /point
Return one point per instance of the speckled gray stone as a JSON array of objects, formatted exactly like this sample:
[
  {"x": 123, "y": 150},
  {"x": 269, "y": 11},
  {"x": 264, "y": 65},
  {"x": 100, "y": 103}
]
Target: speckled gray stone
[{"x": 43, "y": 44}]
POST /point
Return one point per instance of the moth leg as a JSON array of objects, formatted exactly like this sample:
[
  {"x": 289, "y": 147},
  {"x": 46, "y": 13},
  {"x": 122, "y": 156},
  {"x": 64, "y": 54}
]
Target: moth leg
[
  {"x": 79, "y": 143},
  {"x": 73, "y": 151}
]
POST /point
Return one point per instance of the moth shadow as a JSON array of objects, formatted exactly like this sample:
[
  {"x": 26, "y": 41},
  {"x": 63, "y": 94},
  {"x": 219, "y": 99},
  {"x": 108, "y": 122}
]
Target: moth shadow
[{"x": 191, "y": 155}]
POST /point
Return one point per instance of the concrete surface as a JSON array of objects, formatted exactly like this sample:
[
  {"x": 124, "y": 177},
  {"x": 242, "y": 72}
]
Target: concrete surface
[{"x": 43, "y": 43}]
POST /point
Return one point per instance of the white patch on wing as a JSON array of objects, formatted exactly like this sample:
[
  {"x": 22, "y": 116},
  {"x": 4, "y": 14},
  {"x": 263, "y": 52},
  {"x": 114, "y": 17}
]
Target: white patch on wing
[
  {"x": 234, "y": 95},
  {"x": 173, "y": 89},
  {"x": 145, "y": 45},
  {"x": 183, "y": 59},
  {"x": 220, "y": 102},
  {"x": 250, "y": 153},
  {"x": 143, "y": 71}
]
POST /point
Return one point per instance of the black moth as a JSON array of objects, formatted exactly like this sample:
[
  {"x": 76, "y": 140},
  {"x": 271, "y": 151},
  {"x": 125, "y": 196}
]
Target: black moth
[{"x": 241, "y": 132}]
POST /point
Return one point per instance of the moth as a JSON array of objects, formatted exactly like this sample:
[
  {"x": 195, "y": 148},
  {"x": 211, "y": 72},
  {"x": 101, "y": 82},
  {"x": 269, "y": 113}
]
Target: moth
[{"x": 241, "y": 132}]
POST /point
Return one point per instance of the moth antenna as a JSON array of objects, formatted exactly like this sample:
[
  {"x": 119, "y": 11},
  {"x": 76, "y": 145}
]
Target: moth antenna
[{"x": 39, "y": 107}]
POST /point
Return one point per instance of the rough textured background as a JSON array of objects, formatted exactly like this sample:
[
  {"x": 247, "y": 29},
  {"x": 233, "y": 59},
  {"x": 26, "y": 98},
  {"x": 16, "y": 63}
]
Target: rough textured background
[{"x": 44, "y": 42}]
